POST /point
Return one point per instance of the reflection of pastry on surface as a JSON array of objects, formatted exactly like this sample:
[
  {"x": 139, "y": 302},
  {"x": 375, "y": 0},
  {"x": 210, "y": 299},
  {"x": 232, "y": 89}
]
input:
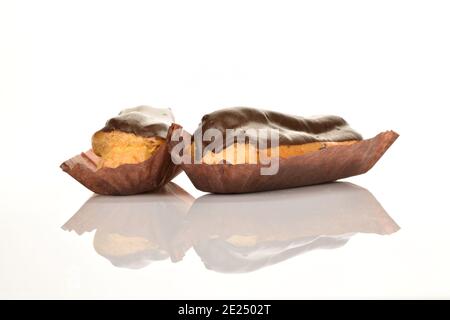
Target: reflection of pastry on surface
[
  {"x": 126, "y": 251},
  {"x": 133, "y": 231},
  {"x": 242, "y": 233},
  {"x": 131, "y": 137},
  {"x": 242, "y": 240},
  {"x": 118, "y": 245},
  {"x": 225, "y": 257}
]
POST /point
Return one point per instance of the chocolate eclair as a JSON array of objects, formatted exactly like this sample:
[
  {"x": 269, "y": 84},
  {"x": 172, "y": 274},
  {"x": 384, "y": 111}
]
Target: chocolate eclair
[
  {"x": 129, "y": 154},
  {"x": 296, "y": 135},
  {"x": 238, "y": 150}
]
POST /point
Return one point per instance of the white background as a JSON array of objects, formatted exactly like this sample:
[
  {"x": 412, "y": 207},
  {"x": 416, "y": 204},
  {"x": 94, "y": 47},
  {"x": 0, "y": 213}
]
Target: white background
[{"x": 67, "y": 66}]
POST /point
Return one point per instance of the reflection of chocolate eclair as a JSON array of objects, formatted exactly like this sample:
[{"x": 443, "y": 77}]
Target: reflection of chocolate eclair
[
  {"x": 131, "y": 232},
  {"x": 245, "y": 232},
  {"x": 309, "y": 151},
  {"x": 129, "y": 155}
]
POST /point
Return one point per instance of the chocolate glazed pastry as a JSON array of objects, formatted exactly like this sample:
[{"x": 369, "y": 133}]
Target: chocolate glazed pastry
[
  {"x": 129, "y": 155},
  {"x": 311, "y": 151}
]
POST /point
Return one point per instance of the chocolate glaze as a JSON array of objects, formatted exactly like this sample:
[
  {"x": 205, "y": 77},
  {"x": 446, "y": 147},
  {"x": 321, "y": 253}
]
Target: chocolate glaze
[
  {"x": 294, "y": 130},
  {"x": 143, "y": 121}
]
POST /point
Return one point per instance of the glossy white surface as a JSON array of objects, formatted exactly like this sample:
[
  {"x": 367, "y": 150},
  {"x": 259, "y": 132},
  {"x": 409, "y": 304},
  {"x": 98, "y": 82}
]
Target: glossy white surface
[
  {"x": 40, "y": 259},
  {"x": 66, "y": 67}
]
